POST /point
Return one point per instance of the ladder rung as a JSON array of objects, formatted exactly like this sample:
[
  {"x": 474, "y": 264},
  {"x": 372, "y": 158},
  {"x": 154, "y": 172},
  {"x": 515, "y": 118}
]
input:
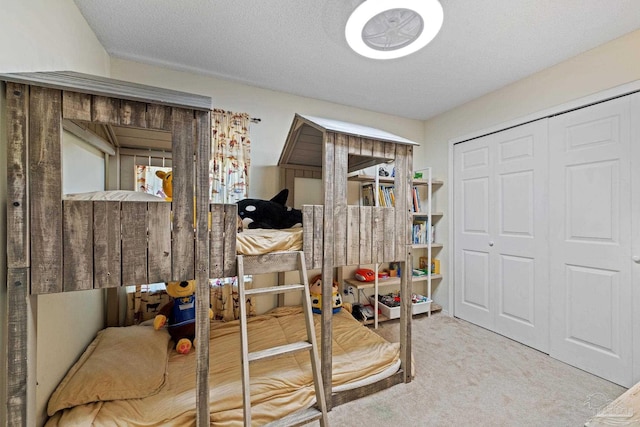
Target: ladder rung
[
  {"x": 297, "y": 418},
  {"x": 276, "y": 351},
  {"x": 274, "y": 289}
]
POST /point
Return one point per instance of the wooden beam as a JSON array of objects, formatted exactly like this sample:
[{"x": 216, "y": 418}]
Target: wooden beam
[
  {"x": 17, "y": 175},
  {"x": 45, "y": 189},
  {"x": 90, "y": 137},
  {"x": 17, "y": 339}
]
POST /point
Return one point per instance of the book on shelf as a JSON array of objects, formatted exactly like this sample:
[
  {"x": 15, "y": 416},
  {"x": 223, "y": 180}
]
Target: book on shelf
[
  {"x": 367, "y": 195},
  {"x": 416, "y": 200}
]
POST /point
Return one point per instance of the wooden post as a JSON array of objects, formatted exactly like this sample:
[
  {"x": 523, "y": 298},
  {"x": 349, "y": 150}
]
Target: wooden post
[{"x": 328, "y": 176}]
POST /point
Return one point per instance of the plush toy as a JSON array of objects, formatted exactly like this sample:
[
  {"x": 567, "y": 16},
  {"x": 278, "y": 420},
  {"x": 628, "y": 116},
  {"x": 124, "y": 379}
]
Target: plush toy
[
  {"x": 274, "y": 213},
  {"x": 315, "y": 289},
  {"x": 167, "y": 184},
  {"x": 180, "y": 314}
]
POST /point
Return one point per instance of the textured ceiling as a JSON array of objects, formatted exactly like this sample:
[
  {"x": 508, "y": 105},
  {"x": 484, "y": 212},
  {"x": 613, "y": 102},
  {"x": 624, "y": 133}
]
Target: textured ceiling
[{"x": 298, "y": 46}]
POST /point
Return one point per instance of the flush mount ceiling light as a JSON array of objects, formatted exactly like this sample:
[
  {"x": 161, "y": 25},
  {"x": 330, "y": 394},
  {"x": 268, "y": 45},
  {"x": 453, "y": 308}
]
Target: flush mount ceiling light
[{"x": 386, "y": 29}]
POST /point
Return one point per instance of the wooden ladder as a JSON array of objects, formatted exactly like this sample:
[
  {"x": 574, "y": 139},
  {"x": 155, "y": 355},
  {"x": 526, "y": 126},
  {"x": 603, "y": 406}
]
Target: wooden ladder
[{"x": 274, "y": 263}]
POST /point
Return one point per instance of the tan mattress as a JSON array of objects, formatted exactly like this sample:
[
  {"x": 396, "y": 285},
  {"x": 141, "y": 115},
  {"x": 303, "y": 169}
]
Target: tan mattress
[
  {"x": 278, "y": 386},
  {"x": 261, "y": 241}
]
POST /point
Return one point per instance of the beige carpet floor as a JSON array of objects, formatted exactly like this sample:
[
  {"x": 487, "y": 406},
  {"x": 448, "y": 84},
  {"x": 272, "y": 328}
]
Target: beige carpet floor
[{"x": 469, "y": 376}]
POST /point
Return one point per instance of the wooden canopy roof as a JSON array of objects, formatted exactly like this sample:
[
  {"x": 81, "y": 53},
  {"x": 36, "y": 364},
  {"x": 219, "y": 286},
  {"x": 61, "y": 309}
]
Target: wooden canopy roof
[{"x": 303, "y": 147}]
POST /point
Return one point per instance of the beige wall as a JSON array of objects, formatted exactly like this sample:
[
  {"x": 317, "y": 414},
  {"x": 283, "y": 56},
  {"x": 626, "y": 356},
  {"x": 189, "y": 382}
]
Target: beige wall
[
  {"x": 276, "y": 109},
  {"x": 607, "y": 66},
  {"x": 44, "y": 35}
]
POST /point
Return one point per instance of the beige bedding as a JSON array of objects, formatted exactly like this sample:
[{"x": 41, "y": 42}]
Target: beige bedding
[
  {"x": 278, "y": 386},
  {"x": 260, "y": 241}
]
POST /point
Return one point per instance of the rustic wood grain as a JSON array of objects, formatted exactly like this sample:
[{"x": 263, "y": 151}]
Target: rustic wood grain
[
  {"x": 183, "y": 144},
  {"x": 159, "y": 253},
  {"x": 106, "y": 244},
  {"x": 17, "y": 108},
  {"x": 17, "y": 339},
  {"x": 307, "y": 234},
  {"x": 230, "y": 231},
  {"x": 76, "y": 106},
  {"x": 378, "y": 149},
  {"x": 271, "y": 263},
  {"x": 354, "y": 145},
  {"x": 105, "y": 110},
  {"x": 377, "y": 250},
  {"x": 328, "y": 176},
  {"x": 203, "y": 153},
  {"x": 340, "y": 164},
  {"x": 406, "y": 313},
  {"x": 133, "y": 113},
  {"x": 134, "y": 243},
  {"x": 353, "y": 235},
  {"x": 159, "y": 117},
  {"x": 343, "y": 397},
  {"x": 402, "y": 185},
  {"x": 366, "y": 147},
  {"x": 366, "y": 233},
  {"x": 77, "y": 232},
  {"x": 389, "y": 225},
  {"x": 45, "y": 189},
  {"x": 216, "y": 240},
  {"x": 318, "y": 236}
]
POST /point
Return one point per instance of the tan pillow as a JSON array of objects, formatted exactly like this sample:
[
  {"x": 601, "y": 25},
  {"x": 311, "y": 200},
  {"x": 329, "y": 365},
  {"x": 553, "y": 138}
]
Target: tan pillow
[{"x": 121, "y": 363}]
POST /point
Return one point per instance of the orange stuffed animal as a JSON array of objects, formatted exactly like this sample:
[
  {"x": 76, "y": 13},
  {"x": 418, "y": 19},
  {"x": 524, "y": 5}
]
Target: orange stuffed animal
[{"x": 167, "y": 184}]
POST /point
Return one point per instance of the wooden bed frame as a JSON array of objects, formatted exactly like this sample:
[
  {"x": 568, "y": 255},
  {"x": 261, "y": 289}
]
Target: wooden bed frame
[{"x": 56, "y": 246}]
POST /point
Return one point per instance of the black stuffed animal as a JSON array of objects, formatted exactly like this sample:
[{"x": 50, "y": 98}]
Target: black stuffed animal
[{"x": 257, "y": 213}]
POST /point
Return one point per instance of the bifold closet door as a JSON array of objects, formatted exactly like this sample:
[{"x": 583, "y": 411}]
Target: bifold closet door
[
  {"x": 591, "y": 258},
  {"x": 500, "y": 228}
]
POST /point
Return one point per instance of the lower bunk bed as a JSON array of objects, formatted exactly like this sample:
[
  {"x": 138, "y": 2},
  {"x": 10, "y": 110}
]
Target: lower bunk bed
[{"x": 132, "y": 375}]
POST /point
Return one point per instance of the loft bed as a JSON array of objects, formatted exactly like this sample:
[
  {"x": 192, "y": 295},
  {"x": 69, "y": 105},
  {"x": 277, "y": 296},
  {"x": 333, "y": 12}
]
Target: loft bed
[
  {"x": 56, "y": 245},
  {"x": 336, "y": 234}
]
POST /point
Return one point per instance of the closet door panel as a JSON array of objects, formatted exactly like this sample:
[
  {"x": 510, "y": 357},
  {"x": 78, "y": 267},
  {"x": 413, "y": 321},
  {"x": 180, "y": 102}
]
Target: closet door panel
[
  {"x": 472, "y": 199},
  {"x": 590, "y": 249},
  {"x": 520, "y": 241}
]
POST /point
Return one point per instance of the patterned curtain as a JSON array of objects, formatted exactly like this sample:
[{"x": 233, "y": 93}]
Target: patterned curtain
[
  {"x": 230, "y": 151},
  {"x": 148, "y": 182}
]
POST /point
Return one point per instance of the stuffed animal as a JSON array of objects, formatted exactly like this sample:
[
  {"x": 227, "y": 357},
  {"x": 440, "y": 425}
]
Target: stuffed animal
[
  {"x": 180, "y": 314},
  {"x": 167, "y": 184},
  {"x": 315, "y": 289},
  {"x": 274, "y": 213}
]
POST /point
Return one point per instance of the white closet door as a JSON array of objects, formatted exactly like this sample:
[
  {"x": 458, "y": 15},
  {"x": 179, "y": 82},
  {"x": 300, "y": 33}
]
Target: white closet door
[
  {"x": 501, "y": 245},
  {"x": 590, "y": 263}
]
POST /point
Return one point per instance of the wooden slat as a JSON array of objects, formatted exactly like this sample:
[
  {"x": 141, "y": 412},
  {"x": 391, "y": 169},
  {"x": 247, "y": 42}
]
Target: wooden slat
[
  {"x": 378, "y": 149},
  {"x": 77, "y": 245},
  {"x": 307, "y": 234},
  {"x": 230, "y": 231},
  {"x": 17, "y": 339},
  {"x": 279, "y": 289},
  {"x": 389, "y": 232},
  {"x": 159, "y": 117},
  {"x": 134, "y": 243},
  {"x": 316, "y": 175},
  {"x": 76, "y": 106},
  {"x": 271, "y": 262},
  {"x": 340, "y": 164},
  {"x": 403, "y": 180},
  {"x": 318, "y": 236},
  {"x": 183, "y": 144},
  {"x": 159, "y": 222},
  {"x": 203, "y": 154},
  {"x": 377, "y": 252},
  {"x": 105, "y": 110},
  {"x": 106, "y": 244},
  {"x": 328, "y": 176},
  {"x": 366, "y": 147},
  {"x": 133, "y": 114},
  {"x": 366, "y": 232},
  {"x": 390, "y": 150},
  {"x": 367, "y": 390},
  {"x": 354, "y": 145},
  {"x": 406, "y": 313},
  {"x": 17, "y": 176},
  {"x": 45, "y": 189},
  {"x": 290, "y": 183},
  {"x": 353, "y": 235},
  {"x": 216, "y": 240}
]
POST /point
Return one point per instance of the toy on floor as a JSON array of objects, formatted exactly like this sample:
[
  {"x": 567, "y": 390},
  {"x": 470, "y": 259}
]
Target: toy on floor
[
  {"x": 315, "y": 289},
  {"x": 180, "y": 314},
  {"x": 274, "y": 213}
]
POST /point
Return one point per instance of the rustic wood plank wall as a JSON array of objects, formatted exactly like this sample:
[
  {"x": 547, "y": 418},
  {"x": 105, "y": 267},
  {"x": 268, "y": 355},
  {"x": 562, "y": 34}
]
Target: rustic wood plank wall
[
  {"x": 106, "y": 245},
  {"x": 78, "y": 245},
  {"x": 229, "y": 239},
  {"x": 45, "y": 189},
  {"x": 183, "y": 145},
  {"x": 159, "y": 241}
]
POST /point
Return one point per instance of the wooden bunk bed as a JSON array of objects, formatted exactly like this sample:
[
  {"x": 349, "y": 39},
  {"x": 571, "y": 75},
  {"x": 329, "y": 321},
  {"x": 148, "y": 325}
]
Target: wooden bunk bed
[{"x": 56, "y": 245}]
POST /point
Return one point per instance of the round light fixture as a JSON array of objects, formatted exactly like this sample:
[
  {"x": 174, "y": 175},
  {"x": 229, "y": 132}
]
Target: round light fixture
[{"x": 386, "y": 29}]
